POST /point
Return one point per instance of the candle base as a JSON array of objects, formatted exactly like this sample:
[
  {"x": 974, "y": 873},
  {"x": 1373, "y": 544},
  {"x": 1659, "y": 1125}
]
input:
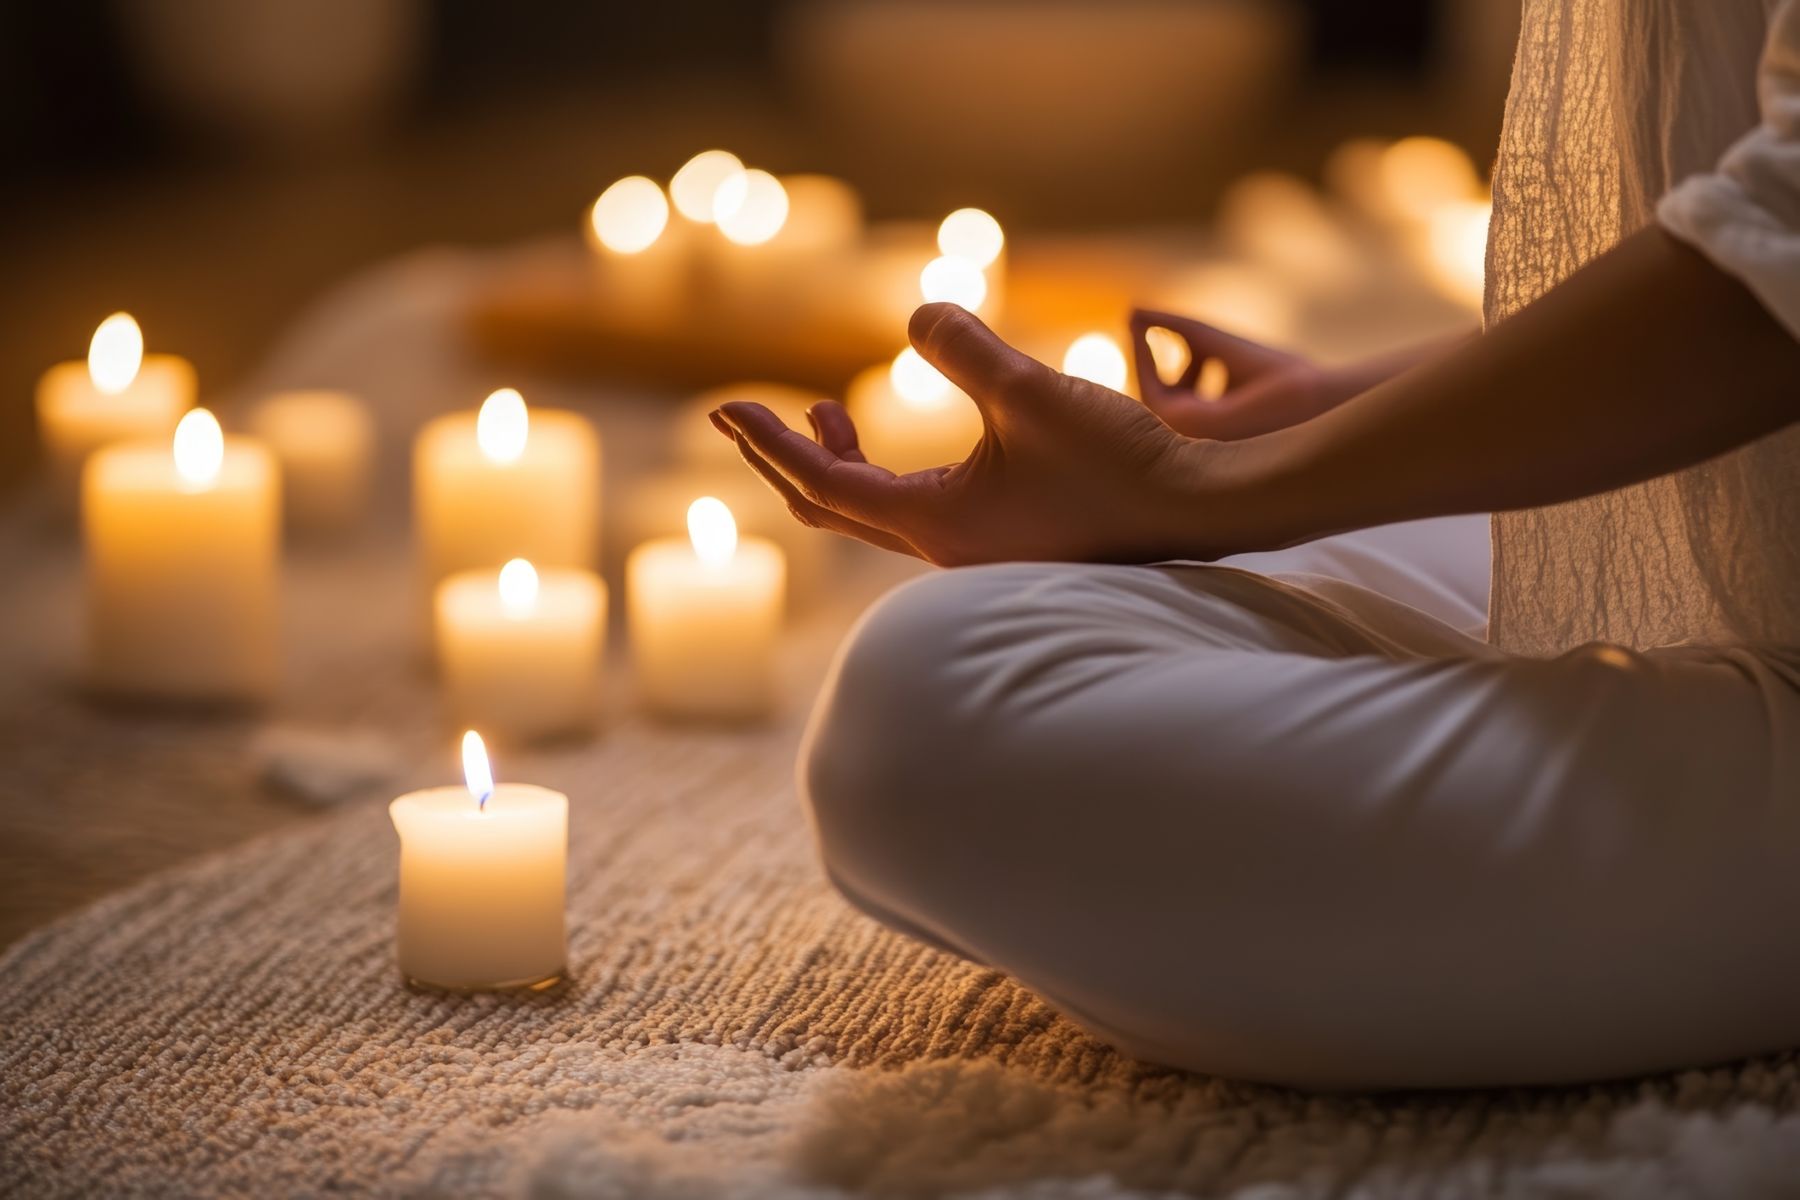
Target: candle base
[{"x": 542, "y": 983}]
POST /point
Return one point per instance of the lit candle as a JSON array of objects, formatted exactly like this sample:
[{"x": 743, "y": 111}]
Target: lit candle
[
  {"x": 643, "y": 264},
  {"x": 704, "y": 615},
  {"x": 481, "y": 881},
  {"x": 504, "y": 483},
  {"x": 909, "y": 417},
  {"x": 788, "y": 242},
  {"x": 1097, "y": 358},
  {"x": 696, "y": 185},
  {"x": 656, "y": 506},
  {"x": 182, "y": 555},
  {"x": 119, "y": 394},
  {"x": 325, "y": 442},
  {"x": 973, "y": 236},
  {"x": 521, "y": 649},
  {"x": 1455, "y": 255}
]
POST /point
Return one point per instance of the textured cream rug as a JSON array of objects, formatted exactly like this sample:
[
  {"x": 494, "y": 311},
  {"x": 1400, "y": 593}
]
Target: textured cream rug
[{"x": 731, "y": 1028}]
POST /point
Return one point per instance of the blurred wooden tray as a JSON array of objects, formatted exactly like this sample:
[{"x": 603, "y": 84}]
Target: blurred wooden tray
[{"x": 548, "y": 309}]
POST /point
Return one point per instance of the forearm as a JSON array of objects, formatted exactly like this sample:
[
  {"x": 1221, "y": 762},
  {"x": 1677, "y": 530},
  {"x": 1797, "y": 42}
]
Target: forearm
[{"x": 1648, "y": 360}]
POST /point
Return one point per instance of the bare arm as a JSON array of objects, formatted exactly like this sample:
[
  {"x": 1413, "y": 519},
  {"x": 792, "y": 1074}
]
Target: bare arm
[{"x": 1648, "y": 360}]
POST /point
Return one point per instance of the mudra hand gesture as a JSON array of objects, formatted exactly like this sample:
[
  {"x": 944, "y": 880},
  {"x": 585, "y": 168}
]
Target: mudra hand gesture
[{"x": 1065, "y": 469}]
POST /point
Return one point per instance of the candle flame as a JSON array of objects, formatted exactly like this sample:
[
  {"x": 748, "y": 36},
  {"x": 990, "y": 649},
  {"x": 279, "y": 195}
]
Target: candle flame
[
  {"x": 917, "y": 382},
  {"x": 199, "y": 448},
  {"x": 972, "y": 234},
  {"x": 750, "y": 207},
  {"x": 115, "y": 353},
  {"x": 695, "y": 187},
  {"x": 518, "y": 589},
  {"x": 478, "y": 776},
  {"x": 712, "y": 530},
  {"x": 1419, "y": 175},
  {"x": 630, "y": 215},
  {"x": 953, "y": 279},
  {"x": 1097, "y": 358},
  {"x": 502, "y": 426}
]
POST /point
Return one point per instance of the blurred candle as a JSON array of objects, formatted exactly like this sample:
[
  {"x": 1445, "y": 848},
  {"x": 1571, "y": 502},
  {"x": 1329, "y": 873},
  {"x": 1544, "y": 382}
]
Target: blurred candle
[
  {"x": 705, "y": 611},
  {"x": 183, "y": 545},
  {"x": 119, "y": 394},
  {"x": 656, "y": 506},
  {"x": 909, "y": 417},
  {"x": 503, "y": 483},
  {"x": 482, "y": 870},
  {"x": 520, "y": 649},
  {"x": 696, "y": 185},
  {"x": 790, "y": 242},
  {"x": 643, "y": 267},
  {"x": 1419, "y": 175},
  {"x": 953, "y": 280},
  {"x": 1097, "y": 357},
  {"x": 1456, "y": 250},
  {"x": 325, "y": 442},
  {"x": 975, "y": 237}
]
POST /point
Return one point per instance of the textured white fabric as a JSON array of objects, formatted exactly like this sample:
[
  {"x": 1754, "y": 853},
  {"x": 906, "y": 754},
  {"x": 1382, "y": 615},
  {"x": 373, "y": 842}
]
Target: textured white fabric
[
  {"x": 1284, "y": 827},
  {"x": 1613, "y": 103}
]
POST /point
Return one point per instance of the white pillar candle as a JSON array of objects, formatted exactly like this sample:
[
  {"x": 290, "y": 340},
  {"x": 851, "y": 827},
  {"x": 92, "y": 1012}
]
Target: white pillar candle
[
  {"x": 325, "y": 442},
  {"x": 119, "y": 394},
  {"x": 520, "y": 649},
  {"x": 656, "y": 506},
  {"x": 506, "y": 483},
  {"x": 909, "y": 417},
  {"x": 643, "y": 260},
  {"x": 481, "y": 881},
  {"x": 789, "y": 243},
  {"x": 183, "y": 549},
  {"x": 973, "y": 235},
  {"x": 704, "y": 613}
]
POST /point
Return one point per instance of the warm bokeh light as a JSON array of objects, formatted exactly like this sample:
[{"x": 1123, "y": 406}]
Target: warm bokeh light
[
  {"x": 1169, "y": 351},
  {"x": 1238, "y": 298},
  {"x": 115, "y": 353},
  {"x": 1097, "y": 358},
  {"x": 502, "y": 426},
  {"x": 1420, "y": 175},
  {"x": 478, "y": 776},
  {"x": 1214, "y": 378},
  {"x": 630, "y": 215},
  {"x": 1458, "y": 236},
  {"x": 1280, "y": 220},
  {"x": 955, "y": 280},
  {"x": 917, "y": 382},
  {"x": 712, "y": 530},
  {"x": 696, "y": 185},
  {"x": 518, "y": 588},
  {"x": 750, "y": 207},
  {"x": 199, "y": 448},
  {"x": 972, "y": 234}
]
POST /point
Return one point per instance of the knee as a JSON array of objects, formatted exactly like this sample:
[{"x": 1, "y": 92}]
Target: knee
[{"x": 894, "y": 736}]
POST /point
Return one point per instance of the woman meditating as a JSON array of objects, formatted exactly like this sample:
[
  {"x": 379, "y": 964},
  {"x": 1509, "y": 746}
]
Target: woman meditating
[{"x": 1331, "y": 816}]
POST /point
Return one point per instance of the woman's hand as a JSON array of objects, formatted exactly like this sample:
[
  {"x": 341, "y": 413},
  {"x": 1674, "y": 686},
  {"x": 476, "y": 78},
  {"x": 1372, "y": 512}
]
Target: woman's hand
[
  {"x": 1065, "y": 469},
  {"x": 1265, "y": 389}
]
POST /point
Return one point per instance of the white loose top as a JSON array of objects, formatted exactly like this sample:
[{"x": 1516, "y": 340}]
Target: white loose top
[{"x": 1622, "y": 112}]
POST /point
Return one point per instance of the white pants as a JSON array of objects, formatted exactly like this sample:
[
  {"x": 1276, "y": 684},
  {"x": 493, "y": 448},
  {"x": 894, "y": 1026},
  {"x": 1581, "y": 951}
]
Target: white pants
[{"x": 1307, "y": 828}]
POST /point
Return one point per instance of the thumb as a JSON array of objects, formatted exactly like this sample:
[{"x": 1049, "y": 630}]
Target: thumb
[{"x": 973, "y": 357}]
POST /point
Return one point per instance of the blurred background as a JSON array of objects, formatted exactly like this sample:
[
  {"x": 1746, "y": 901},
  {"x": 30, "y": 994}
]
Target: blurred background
[{"x": 212, "y": 165}]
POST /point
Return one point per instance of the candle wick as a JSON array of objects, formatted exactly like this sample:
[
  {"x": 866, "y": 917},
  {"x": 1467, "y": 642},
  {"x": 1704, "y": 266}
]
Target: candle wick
[{"x": 481, "y": 803}]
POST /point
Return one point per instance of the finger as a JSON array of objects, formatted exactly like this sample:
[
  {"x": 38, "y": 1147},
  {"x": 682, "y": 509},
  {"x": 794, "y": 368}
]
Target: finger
[
  {"x": 858, "y": 490},
  {"x": 835, "y": 430},
  {"x": 973, "y": 357},
  {"x": 808, "y": 513},
  {"x": 1241, "y": 356}
]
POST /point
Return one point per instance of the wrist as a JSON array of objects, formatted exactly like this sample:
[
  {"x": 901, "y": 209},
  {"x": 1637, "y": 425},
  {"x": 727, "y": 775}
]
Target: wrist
[{"x": 1252, "y": 495}]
